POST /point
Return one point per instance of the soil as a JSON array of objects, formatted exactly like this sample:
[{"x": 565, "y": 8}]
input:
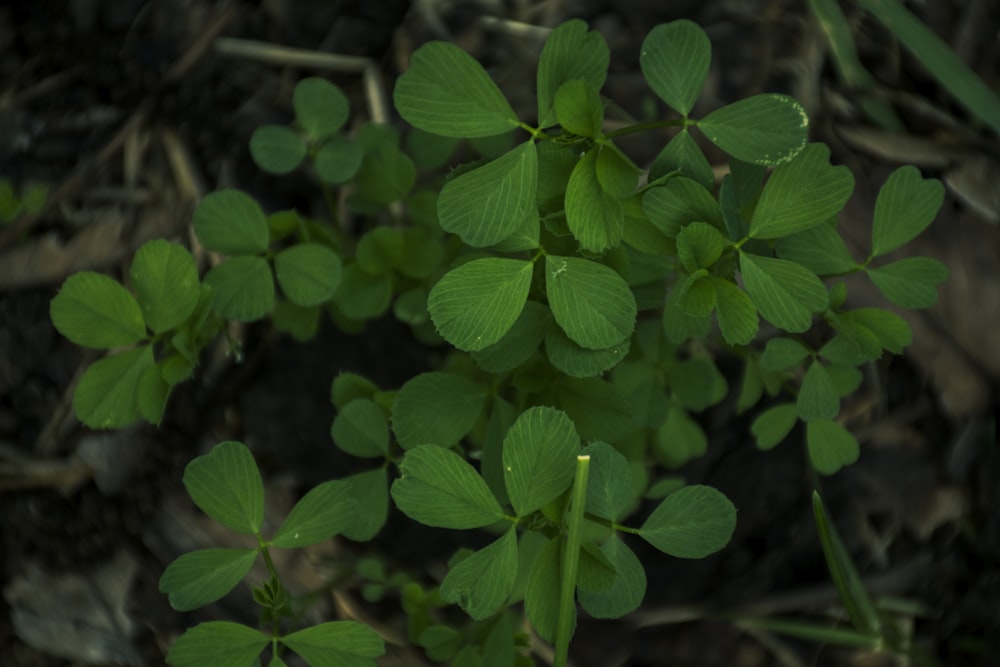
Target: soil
[{"x": 129, "y": 112}]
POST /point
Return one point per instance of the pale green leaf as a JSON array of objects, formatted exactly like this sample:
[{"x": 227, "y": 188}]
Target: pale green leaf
[
  {"x": 106, "y": 395},
  {"x": 490, "y": 203},
  {"x": 674, "y": 59},
  {"x": 539, "y": 457},
  {"x": 591, "y": 302},
  {"x": 337, "y": 644},
  {"x": 361, "y": 429},
  {"x": 692, "y": 522},
  {"x": 323, "y": 512},
  {"x": 439, "y": 488},
  {"x": 230, "y": 222},
  {"x": 481, "y": 583},
  {"x": 217, "y": 643},
  {"x": 93, "y": 310},
  {"x": 436, "y": 409},
  {"x": 242, "y": 288},
  {"x": 830, "y": 445},
  {"x": 277, "y": 149},
  {"x": 165, "y": 281},
  {"x": 773, "y": 425},
  {"x": 320, "y": 107},
  {"x": 629, "y": 588},
  {"x": 766, "y": 129},
  {"x": 910, "y": 282},
  {"x": 785, "y": 293},
  {"x": 308, "y": 273},
  {"x": 570, "y": 52},
  {"x": 199, "y": 578},
  {"x": 445, "y": 91},
  {"x": 226, "y": 485}
]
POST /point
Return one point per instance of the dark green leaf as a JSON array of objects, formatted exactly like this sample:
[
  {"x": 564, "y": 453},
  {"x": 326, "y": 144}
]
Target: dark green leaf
[
  {"x": 831, "y": 446},
  {"x": 595, "y": 217},
  {"x": 817, "y": 397},
  {"x": 201, "y": 577},
  {"x": 230, "y": 222},
  {"x": 678, "y": 203},
  {"x": 679, "y": 439},
  {"x": 481, "y": 583},
  {"x": 152, "y": 392},
  {"x": 820, "y": 249},
  {"x": 93, "y": 310},
  {"x": 106, "y": 395},
  {"x": 609, "y": 487},
  {"x": 387, "y": 173},
  {"x": 626, "y": 593},
  {"x": 570, "y": 52},
  {"x": 590, "y": 301},
  {"x": 906, "y": 205},
  {"x": 217, "y": 643},
  {"x": 596, "y": 407},
  {"x": 242, "y": 288},
  {"x": 380, "y": 250},
  {"x": 320, "y": 107},
  {"x": 539, "y": 457},
  {"x": 773, "y": 425},
  {"x": 683, "y": 154},
  {"x": 361, "y": 429},
  {"x": 277, "y": 149},
  {"x": 338, "y": 159},
  {"x": 371, "y": 492},
  {"x": 766, "y": 129},
  {"x": 308, "y": 273},
  {"x": 327, "y": 509},
  {"x": 576, "y": 361},
  {"x": 579, "y": 108},
  {"x": 785, "y": 293},
  {"x": 361, "y": 295},
  {"x": 519, "y": 343},
  {"x": 226, "y": 485},
  {"x": 782, "y": 354},
  {"x": 337, "y": 644},
  {"x": 675, "y": 58},
  {"x": 910, "y": 282},
  {"x": 692, "y": 522},
  {"x": 436, "y": 408},
  {"x": 699, "y": 246},
  {"x": 541, "y": 598},
  {"x": 735, "y": 311}
]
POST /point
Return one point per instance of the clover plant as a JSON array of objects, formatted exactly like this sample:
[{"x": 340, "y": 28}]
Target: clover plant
[{"x": 584, "y": 299}]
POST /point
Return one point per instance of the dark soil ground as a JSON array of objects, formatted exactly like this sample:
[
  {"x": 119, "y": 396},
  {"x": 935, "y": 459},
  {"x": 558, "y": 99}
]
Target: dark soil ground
[{"x": 129, "y": 111}]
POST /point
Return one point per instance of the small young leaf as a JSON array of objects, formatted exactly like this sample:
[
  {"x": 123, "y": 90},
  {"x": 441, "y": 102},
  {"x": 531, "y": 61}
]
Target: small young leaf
[
  {"x": 489, "y": 203},
  {"x": 437, "y": 487},
  {"x": 674, "y": 59},
  {"x": 226, "y": 485},
  {"x": 308, "y": 273},
  {"x": 202, "y": 577},
  {"x": 817, "y": 397},
  {"x": 481, "y": 583},
  {"x": 735, "y": 311},
  {"x": 780, "y": 354},
  {"x": 320, "y": 107},
  {"x": 371, "y": 492},
  {"x": 609, "y": 487},
  {"x": 361, "y": 429},
  {"x": 541, "y": 597},
  {"x": 436, "y": 408},
  {"x": 596, "y": 407},
  {"x": 692, "y": 522},
  {"x": 766, "y": 129},
  {"x": 683, "y": 154},
  {"x": 830, "y": 445},
  {"x": 165, "y": 280},
  {"x": 474, "y": 305},
  {"x": 277, "y": 149},
  {"x": 347, "y": 387},
  {"x": 230, "y": 222},
  {"x": 699, "y": 246},
  {"x": 361, "y": 295},
  {"x": 217, "y": 643},
  {"x": 576, "y": 361},
  {"x": 539, "y": 455},
  {"x": 93, "y": 310},
  {"x": 906, "y": 205},
  {"x": 579, "y": 108},
  {"x": 106, "y": 396},
  {"x": 570, "y": 52},
  {"x": 242, "y": 288},
  {"x": 447, "y": 92},
  {"x": 590, "y": 301},
  {"x": 337, "y": 644},
  {"x": 800, "y": 194},
  {"x": 910, "y": 282},
  {"x": 595, "y": 218},
  {"x": 629, "y": 588},
  {"x": 319, "y": 515},
  {"x": 773, "y": 425},
  {"x": 520, "y": 341},
  {"x": 785, "y": 293},
  {"x": 819, "y": 249},
  {"x": 337, "y": 160}
]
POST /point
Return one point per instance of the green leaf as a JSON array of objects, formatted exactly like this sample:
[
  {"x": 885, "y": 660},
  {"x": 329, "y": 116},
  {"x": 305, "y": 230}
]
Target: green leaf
[
  {"x": 337, "y": 644},
  {"x": 679, "y": 439},
  {"x": 735, "y": 311},
  {"x": 579, "y": 108},
  {"x": 361, "y": 429},
  {"x": 226, "y": 485},
  {"x": 817, "y": 397},
  {"x": 242, "y": 288},
  {"x": 674, "y": 59},
  {"x": 308, "y": 273},
  {"x": 773, "y": 425},
  {"x": 490, "y": 203},
  {"x": 387, "y": 173},
  {"x": 616, "y": 173},
  {"x": 152, "y": 392},
  {"x": 519, "y": 343},
  {"x": 892, "y": 331},
  {"x": 481, "y": 583},
  {"x": 609, "y": 486},
  {"x": 576, "y": 361},
  {"x": 594, "y": 571},
  {"x": 106, "y": 395},
  {"x": 678, "y": 203},
  {"x": 626, "y": 593},
  {"x": 830, "y": 445},
  {"x": 437, "y": 487},
  {"x": 699, "y": 246},
  {"x": 678, "y": 325},
  {"x": 782, "y": 354},
  {"x": 683, "y": 154},
  {"x": 347, "y": 387},
  {"x": 319, "y": 515},
  {"x": 321, "y": 109},
  {"x": 217, "y": 643},
  {"x": 766, "y": 129},
  {"x": 595, "y": 218},
  {"x": 541, "y": 597},
  {"x": 422, "y": 254},
  {"x": 165, "y": 280},
  {"x": 201, "y": 577},
  {"x": 539, "y": 457},
  {"x": 361, "y": 295},
  {"x": 696, "y": 383},
  {"x": 910, "y": 282},
  {"x": 93, "y": 310},
  {"x": 819, "y": 249},
  {"x": 801, "y": 194},
  {"x": 371, "y": 492},
  {"x": 380, "y": 250},
  {"x": 590, "y": 301},
  {"x": 596, "y": 407},
  {"x": 277, "y": 149},
  {"x": 692, "y": 522},
  {"x": 570, "y": 52},
  {"x": 785, "y": 293},
  {"x": 436, "y": 408},
  {"x": 230, "y": 222},
  {"x": 474, "y": 305},
  {"x": 445, "y": 91},
  {"x": 337, "y": 160}
]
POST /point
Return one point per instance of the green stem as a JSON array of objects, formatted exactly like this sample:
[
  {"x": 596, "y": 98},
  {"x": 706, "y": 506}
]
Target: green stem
[{"x": 571, "y": 561}]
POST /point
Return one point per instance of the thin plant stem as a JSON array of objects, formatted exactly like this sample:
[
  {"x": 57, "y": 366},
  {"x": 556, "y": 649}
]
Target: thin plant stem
[{"x": 571, "y": 561}]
